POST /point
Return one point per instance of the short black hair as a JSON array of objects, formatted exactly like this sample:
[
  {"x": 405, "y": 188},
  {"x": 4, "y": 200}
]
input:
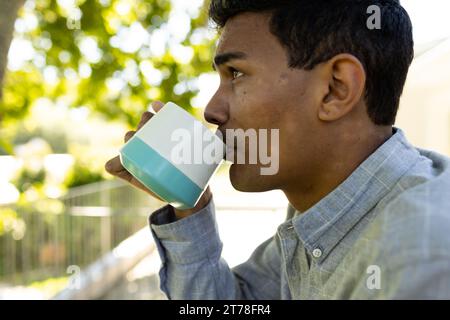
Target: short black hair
[{"x": 314, "y": 31}]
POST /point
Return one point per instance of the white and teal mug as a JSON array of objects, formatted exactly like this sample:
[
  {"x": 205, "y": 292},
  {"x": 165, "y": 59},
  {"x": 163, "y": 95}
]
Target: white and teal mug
[{"x": 174, "y": 155}]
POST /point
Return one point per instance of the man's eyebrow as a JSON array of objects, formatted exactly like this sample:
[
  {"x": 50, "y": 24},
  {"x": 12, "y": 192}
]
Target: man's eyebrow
[{"x": 228, "y": 56}]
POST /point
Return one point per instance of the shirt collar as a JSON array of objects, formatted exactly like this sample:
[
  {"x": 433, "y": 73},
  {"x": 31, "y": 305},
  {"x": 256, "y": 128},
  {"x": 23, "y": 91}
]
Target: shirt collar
[{"x": 322, "y": 226}]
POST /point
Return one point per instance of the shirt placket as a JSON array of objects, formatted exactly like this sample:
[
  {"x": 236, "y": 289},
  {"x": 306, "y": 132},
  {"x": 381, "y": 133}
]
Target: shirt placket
[{"x": 295, "y": 263}]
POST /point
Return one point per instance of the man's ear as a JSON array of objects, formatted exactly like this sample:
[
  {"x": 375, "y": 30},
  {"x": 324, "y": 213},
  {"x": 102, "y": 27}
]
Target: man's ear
[{"x": 346, "y": 83}]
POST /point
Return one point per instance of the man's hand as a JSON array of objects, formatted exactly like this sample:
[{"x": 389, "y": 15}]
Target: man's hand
[{"x": 114, "y": 167}]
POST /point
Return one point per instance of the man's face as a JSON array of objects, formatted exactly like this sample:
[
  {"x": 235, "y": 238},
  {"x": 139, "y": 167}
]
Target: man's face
[{"x": 258, "y": 90}]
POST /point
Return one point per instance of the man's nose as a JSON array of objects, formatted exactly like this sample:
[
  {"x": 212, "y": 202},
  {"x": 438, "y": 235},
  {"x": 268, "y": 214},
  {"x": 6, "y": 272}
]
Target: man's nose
[{"x": 217, "y": 110}]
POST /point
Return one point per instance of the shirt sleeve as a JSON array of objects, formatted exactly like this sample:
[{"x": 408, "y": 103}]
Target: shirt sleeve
[{"x": 192, "y": 267}]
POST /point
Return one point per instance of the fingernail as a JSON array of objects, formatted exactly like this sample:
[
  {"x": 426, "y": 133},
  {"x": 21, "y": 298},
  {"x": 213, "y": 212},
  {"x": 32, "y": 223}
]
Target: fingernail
[{"x": 157, "y": 105}]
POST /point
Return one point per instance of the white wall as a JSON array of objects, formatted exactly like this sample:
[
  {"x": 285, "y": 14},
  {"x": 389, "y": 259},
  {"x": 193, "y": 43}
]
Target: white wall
[{"x": 425, "y": 106}]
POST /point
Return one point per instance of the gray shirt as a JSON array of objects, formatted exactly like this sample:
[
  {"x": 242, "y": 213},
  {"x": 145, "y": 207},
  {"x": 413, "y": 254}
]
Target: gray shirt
[{"x": 384, "y": 233}]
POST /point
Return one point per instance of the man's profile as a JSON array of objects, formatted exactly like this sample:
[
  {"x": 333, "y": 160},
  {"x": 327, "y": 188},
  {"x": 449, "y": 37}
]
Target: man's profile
[{"x": 369, "y": 214}]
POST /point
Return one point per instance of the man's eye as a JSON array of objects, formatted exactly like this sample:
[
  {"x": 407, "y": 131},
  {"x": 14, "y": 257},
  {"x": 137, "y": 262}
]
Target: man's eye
[{"x": 235, "y": 73}]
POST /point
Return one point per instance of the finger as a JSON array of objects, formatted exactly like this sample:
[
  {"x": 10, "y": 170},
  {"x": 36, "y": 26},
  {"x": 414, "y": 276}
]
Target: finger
[
  {"x": 114, "y": 166},
  {"x": 144, "y": 118},
  {"x": 125, "y": 175},
  {"x": 157, "y": 105},
  {"x": 128, "y": 135}
]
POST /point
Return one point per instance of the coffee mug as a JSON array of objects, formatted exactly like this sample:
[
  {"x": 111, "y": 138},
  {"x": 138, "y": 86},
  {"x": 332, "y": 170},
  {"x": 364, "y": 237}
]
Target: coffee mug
[{"x": 174, "y": 155}]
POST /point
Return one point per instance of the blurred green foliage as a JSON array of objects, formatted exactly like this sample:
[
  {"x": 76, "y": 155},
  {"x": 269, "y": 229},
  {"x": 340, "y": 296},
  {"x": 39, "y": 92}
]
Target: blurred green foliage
[
  {"x": 77, "y": 57},
  {"x": 8, "y": 220},
  {"x": 80, "y": 175},
  {"x": 50, "y": 287},
  {"x": 58, "y": 41}
]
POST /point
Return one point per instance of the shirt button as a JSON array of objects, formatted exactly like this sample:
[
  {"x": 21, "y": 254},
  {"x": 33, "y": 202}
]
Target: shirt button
[{"x": 317, "y": 253}]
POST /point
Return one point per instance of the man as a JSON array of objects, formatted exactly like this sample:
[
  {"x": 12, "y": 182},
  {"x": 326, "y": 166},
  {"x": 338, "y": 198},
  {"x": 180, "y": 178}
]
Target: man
[{"x": 369, "y": 214}]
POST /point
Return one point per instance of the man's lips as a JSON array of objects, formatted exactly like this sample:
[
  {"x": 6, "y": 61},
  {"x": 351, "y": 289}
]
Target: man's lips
[{"x": 231, "y": 153}]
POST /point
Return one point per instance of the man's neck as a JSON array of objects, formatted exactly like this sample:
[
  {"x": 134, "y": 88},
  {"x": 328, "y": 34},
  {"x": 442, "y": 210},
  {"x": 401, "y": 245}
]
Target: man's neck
[{"x": 346, "y": 156}]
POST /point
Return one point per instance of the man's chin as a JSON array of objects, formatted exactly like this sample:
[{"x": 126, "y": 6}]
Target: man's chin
[{"x": 246, "y": 178}]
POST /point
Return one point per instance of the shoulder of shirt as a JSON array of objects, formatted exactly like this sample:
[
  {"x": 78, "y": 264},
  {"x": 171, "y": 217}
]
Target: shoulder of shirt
[{"x": 414, "y": 226}]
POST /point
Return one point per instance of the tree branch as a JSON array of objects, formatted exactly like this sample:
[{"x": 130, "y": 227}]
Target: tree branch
[{"x": 8, "y": 14}]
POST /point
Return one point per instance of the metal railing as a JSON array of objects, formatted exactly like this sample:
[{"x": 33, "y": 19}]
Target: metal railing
[{"x": 94, "y": 219}]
